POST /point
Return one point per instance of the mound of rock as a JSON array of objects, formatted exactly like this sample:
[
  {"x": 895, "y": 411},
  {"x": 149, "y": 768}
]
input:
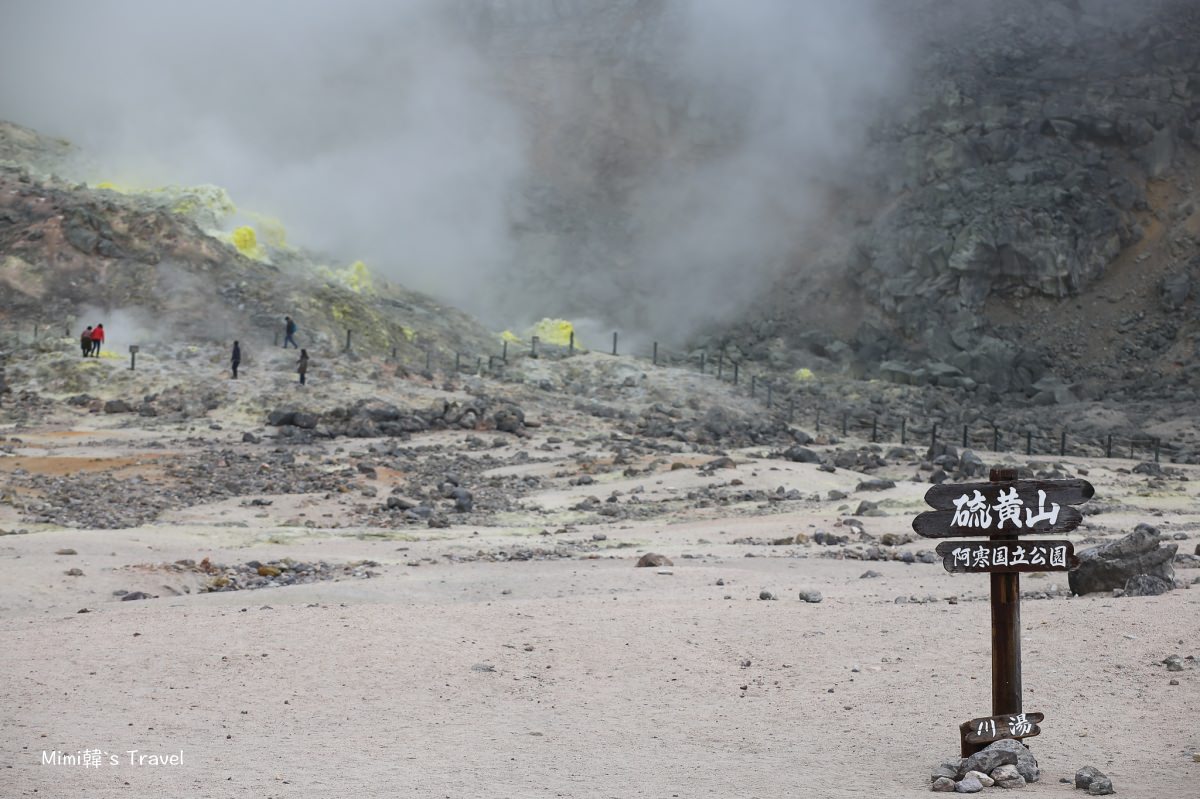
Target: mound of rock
[
  {"x": 1004, "y": 764},
  {"x": 1113, "y": 565}
]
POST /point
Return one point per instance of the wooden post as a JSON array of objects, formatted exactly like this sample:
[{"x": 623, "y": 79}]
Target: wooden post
[
  {"x": 457, "y": 362},
  {"x": 478, "y": 364},
  {"x": 571, "y": 344},
  {"x": 1028, "y": 443},
  {"x": 703, "y": 355},
  {"x": 347, "y": 339},
  {"x": 1108, "y": 449},
  {"x": 1131, "y": 448},
  {"x": 1156, "y": 447},
  {"x": 753, "y": 385},
  {"x": 393, "y": 352},
  {"x": 995, "y": 438},
  {"x": 735, "y": 373},
  {"x": 1006, "y": 628},
  {"x": 791, "y": 409},
  {"x": 504, "y": 351},
  {"x": 655, "y": 356},
  {"x": 1062, "y": 445},
  {"x": 533, "y": 347},
  {"x": 874, "y": 428},
  {"x": 965, "y": 439},
  {"x": 903, "y": 430},
  {"x": 428, "y": 360},
  {"x": 845, "y": 421},
  {"x": 614, "y": 342},
  {"x": 133, "y": 351},
  {"x": 720, "y": 364}
]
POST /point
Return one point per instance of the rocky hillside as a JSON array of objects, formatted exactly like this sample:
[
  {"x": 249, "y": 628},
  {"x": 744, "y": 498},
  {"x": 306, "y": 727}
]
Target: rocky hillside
[{"x": 159, "y": 262}]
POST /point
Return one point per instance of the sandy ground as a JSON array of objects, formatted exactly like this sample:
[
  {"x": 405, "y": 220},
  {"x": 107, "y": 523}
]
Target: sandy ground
[{"x": 578, "y": 677}]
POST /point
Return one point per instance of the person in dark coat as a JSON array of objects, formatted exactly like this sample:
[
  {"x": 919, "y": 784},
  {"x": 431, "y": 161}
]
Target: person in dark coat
[
  {"x": 302, "y": 365},
  {"x": 236, "y": 359},
  {"x": 85, "y": 341},
  {"x": 289, "y": 330}
]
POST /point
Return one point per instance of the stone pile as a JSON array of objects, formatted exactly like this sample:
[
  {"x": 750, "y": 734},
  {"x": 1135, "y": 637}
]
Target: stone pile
[{"x": 1002, "y": 764}]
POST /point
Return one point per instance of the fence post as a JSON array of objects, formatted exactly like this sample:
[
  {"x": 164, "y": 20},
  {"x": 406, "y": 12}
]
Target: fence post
[
  {"x": 347, "y": 339},
  {"x": 614, "y": 342},
  {"x": 133, "y": 351},
  {"x": 504, "y": 351},
  {"x": 655, "y": 357},
  {"x": 874, "y": 428},
  {"x": 571, "y": 344},
  {"x": 791, "y": 409},
  {"x": 720, "y": 364},
  {"x": 478, "y": 364},
  {"x": 457, "y": 362},
  {"x": 769, "y": 396},
  {"x": 735, "y": 373},
  {"x": 965, "y": 436},
  {"x": 702, "y": 358},
  {"x": 995, "y": 438},
  {"x": 753, "y": 385},
  {"x": 903, "y": 430},
  {"x": 429, "y": 360},
  {"x": 533, "y": 347},
  {"x": 1131, "y": 448},
  {"x": 1062, "y": 445},
  {"x": 1028, "y": 443},
  {"x": 933, "y": 438},
  {"x": 1156, "y": 444},
  {"x": 1108, "y": 448},
  {"x": 393, "y": 352},
  {"x": 818, "y": 420},
  {"x": 845, "y": 420}
]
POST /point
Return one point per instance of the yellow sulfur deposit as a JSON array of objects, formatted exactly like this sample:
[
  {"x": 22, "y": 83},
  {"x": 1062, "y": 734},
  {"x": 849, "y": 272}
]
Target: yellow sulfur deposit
[
  {"x": 803, "y": 374},
  {"x": 555, "y": 331},
  {"x": 410, "y": 335},
  {"x": 357, "y": 278},
  {"x": 510, "y": 336},
  {"x": 246, "y": 242},
  {"x": 270, "y": 230}
]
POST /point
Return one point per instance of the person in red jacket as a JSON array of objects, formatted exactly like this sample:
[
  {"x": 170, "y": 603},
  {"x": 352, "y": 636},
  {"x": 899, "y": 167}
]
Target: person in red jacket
[{"x": 97, "y": 339}]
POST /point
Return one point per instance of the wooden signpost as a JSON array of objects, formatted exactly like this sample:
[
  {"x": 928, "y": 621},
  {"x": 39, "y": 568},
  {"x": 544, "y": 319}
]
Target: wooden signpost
[{"x": 1000, "y": 511}]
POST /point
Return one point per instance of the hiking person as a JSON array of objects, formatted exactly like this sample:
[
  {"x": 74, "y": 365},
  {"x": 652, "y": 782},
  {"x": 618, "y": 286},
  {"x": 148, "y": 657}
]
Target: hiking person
[
  {"x": 236, "y": 359},
  {"x": 289, "y": 330},
  {"x": 85, "y": 341},
  {"x": 302, "y": 365},
  {"x": 97, "y": 339}
]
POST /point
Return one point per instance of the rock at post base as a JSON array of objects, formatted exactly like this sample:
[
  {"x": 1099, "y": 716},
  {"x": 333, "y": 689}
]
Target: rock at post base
[
  {"x": 943, "y": 785},
  {"x": 1007, "y": 752},
  {"x": 968, "y": 785},
  {"x": 1008, "y": 777}
]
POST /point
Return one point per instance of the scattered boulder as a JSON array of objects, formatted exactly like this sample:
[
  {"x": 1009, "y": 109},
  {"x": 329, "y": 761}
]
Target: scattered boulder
[
  {"x": 875, "y": 484},
  {"x": 799, "y": 454},
  {"x": 766, "y": 595},
  {"x": 811, "y": 596},
  {"x": 1146, "y": 585},
  {"x": 1111, "y": 565},
  {"x": 1094, "y": 781},
  {"x": 653, "y": 560},
  {"x": 117, "y": 406}
]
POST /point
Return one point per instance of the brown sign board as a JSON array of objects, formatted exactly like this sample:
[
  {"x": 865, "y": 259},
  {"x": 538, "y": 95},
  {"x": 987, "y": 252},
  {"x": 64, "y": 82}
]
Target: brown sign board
[
  {"x": 995, "y": 728},
  {"x": 1065, "y": 492},
  {"x": 948, "y": 523},
  {"x": 1024, "y": 555},
  {"x": 1017, "y": 507}
]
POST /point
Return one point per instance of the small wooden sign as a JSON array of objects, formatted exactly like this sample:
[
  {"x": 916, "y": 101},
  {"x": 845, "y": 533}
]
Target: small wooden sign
[
  {"x": 1029, "y": 555},
  {"x": 1015, "y": 507},
  {"x": 996, "y": 728},
  {"x": 133, "y": 348}
]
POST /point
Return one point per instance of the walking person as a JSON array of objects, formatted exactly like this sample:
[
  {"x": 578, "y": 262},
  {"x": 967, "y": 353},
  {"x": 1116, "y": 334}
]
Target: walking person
[
  {"x": 289, "y": 331},
  {"x": 236, "y": 359},
  {"x": 302, "y": 365},
  {"x": 97, "y": 339},
  {"x": 85, "y": 341}
]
